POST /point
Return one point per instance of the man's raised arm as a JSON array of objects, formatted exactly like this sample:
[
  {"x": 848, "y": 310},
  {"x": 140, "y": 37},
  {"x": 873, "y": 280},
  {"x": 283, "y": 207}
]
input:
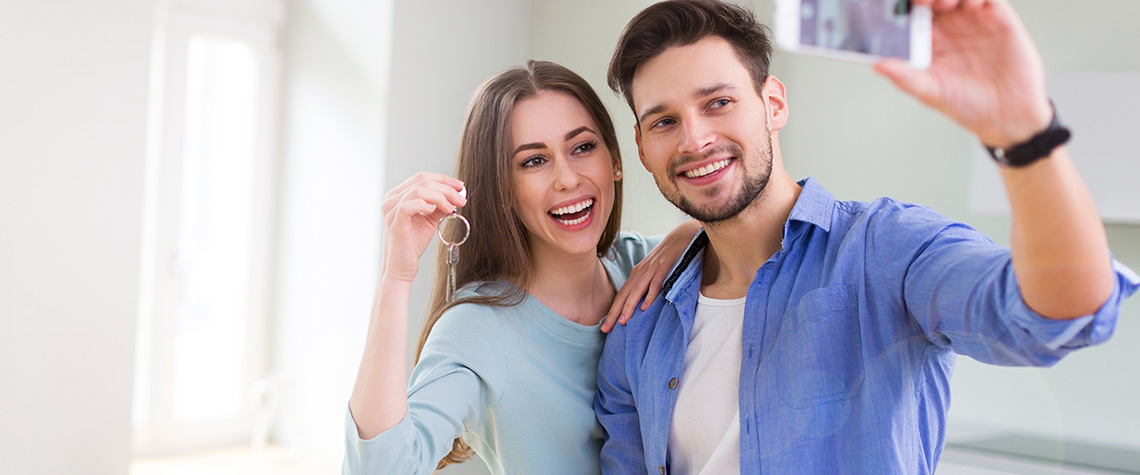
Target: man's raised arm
[{"x": 988, "y": 76}]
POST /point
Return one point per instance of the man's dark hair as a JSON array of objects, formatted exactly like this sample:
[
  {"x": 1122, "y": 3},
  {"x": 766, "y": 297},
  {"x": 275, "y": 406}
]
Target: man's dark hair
[{"x": 684, "y": 22}]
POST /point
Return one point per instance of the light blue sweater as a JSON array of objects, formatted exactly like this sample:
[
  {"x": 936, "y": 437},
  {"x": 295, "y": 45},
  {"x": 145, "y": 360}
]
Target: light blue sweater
[{"x": 516, "y": 382}]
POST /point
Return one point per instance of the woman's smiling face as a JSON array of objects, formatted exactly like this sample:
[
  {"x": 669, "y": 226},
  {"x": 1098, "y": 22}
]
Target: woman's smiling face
[{"x": 562, "y": 173}]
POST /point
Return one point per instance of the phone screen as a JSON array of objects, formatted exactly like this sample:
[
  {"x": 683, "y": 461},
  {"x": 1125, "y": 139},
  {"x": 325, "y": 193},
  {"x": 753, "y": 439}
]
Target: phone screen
[{"x": 876, "y": 27}]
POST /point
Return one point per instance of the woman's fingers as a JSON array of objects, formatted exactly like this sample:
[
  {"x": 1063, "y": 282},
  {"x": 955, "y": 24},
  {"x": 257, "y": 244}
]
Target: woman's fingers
[
  {"x": 412, "y": 212},
  {"x": 626, "y": 299},
  {"x": 446, "y": 193},
  {"x": 655, "y": 287},
  {"x": 646, "y": 278},
  {"x": 643, "y": 285},
  {"x": 423, "y": 177},
  {"x": 619, "y": 303}
]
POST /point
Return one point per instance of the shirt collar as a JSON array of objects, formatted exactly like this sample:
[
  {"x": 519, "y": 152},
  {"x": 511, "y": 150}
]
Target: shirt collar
[{"x": 815, "y": 206}]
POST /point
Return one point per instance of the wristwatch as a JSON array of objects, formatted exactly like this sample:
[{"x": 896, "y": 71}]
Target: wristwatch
[{"x": 1037, "y": 147}]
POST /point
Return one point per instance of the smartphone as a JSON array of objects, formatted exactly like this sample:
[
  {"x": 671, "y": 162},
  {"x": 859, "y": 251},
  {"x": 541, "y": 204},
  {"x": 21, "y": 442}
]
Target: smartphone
[{"x": 856, "y": 30}]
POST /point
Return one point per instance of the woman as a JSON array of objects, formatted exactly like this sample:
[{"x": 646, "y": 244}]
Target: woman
[{"x": 510, "y": 365}]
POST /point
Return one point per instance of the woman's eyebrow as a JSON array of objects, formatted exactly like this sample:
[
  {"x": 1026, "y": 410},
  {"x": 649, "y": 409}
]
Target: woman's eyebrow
[
  {"x": 529, "y": 146},
  {"x": 571, "y": 134},
  {"x": 539, "y": 145}
]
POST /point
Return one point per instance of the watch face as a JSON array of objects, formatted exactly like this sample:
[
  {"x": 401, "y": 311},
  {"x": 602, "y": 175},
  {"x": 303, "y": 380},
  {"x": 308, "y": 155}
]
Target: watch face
[{"x": 998, "y": 155}]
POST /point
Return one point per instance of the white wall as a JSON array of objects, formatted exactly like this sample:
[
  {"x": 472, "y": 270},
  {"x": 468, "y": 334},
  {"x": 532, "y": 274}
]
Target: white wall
[
  {"x": 336, "y": 67},
  {"x": 72, "y": 146}
]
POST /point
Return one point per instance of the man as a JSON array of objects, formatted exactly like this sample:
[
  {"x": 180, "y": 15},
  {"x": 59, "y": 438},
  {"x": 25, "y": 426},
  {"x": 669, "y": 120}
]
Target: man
[{"x": 801, "y": 334}]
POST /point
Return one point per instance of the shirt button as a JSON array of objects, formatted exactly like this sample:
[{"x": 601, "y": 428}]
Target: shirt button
[
  {"x": 661, "y": 468},
  {"x": 672, "y": 385}
]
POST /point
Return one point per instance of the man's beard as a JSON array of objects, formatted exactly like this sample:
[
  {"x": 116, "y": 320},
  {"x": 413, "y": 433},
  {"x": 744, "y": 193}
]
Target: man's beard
[{"x": 750, "y": 189}]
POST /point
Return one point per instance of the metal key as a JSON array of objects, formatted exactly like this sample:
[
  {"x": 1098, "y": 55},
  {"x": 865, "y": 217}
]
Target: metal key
[{"x": 453, "y": 251}]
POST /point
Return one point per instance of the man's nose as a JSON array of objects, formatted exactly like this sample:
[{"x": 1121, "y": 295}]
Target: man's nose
[{"x": 697, "y": 136}]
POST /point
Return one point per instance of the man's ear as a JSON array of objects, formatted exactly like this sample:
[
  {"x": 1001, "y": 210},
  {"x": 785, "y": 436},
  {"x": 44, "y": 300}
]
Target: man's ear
[
  {"x": 637, "y": 138},
  {"x": 777, "y": 101}
]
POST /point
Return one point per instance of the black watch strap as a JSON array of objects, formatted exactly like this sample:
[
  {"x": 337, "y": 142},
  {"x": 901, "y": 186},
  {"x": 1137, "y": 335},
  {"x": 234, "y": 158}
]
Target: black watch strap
[{"x": 1034, "y": 149}]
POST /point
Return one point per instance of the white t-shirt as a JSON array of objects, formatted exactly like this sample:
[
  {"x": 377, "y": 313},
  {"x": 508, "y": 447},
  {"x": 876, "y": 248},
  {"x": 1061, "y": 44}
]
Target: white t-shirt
[{"x": 704, "y": 437}]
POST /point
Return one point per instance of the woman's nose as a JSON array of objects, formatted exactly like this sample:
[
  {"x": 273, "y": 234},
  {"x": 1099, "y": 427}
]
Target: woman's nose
[{"x": 565, "y": 176}]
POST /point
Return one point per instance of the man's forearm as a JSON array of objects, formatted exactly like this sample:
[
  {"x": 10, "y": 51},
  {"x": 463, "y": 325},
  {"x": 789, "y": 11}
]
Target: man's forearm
[{"x": 1060, "y": 252}]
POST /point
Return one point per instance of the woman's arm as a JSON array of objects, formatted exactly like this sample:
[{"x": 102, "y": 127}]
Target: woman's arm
[
  {"x": 645, "y": 279},
  {"x": 411, "y": 213}
]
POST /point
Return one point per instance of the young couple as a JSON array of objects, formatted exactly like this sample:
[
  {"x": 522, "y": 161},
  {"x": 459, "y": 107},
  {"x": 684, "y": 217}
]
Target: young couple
[{"x": 797, "y": 333}]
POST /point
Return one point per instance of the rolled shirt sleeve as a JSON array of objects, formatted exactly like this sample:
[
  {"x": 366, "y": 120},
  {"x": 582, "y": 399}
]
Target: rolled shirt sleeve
[{"x": 961, "y": 291}]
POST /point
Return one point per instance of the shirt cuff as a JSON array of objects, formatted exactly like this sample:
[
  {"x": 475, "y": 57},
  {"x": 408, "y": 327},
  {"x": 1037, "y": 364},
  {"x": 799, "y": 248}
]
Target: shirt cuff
[
  {"x": 383, "y": 452},
  {"x": 1083, "y": 331}
]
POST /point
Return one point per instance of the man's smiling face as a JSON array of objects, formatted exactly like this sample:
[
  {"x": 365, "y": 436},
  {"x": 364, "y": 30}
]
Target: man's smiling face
[{"x": 703, "y": 129}]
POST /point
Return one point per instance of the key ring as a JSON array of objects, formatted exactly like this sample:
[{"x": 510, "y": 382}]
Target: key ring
[{"x": 466, "y": 232}]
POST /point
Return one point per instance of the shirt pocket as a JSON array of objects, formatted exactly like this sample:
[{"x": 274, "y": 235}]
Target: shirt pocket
[{"x": 817, "y": 355}]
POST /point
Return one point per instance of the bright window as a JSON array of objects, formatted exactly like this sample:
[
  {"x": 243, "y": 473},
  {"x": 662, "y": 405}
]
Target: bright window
[
  {"x": 215, "y": 235},
  {"x": 203, "y": 330}
]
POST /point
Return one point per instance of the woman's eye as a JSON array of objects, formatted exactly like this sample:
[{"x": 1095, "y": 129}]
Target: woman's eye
[
  {"x": 586, "y": 147},
  {"x": 532, "y": 162}
]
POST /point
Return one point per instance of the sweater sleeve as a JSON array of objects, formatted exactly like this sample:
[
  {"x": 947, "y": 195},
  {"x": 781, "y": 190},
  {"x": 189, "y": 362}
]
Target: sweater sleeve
[{"x": 459, "y": 375}]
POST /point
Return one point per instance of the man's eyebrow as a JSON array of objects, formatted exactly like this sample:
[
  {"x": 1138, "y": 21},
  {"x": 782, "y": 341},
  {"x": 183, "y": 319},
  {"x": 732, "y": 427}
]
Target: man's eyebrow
[
  {"x": 697, "y": 94},
  {"x": 652, "y": 110},
  {"x": 713, "y": 89}
]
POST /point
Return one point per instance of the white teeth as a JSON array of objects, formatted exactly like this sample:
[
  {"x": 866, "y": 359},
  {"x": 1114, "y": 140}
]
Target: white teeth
[
  {"x": 573, "y": 222},
  {"x": 707, "y": 169},
  {"x": 574, "y": 208}
]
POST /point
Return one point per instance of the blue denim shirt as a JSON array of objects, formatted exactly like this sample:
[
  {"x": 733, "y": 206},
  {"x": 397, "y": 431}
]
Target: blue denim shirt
[{"x": 850, "y": 335}]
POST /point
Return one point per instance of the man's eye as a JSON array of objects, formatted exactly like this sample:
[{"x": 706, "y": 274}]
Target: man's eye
[
  {"x": 663, "y": 123},
  {"x": 719, "y": 103}
]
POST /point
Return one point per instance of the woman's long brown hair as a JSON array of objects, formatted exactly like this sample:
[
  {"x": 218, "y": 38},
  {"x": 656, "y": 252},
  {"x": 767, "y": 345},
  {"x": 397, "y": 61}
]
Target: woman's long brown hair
[{"x": 498, "y": 247}]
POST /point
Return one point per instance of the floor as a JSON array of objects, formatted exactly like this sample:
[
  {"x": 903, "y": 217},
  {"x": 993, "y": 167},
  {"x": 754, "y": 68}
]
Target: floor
[
  {"x": 278, "y": 461},
  {"x": 237, "y": 461}
]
